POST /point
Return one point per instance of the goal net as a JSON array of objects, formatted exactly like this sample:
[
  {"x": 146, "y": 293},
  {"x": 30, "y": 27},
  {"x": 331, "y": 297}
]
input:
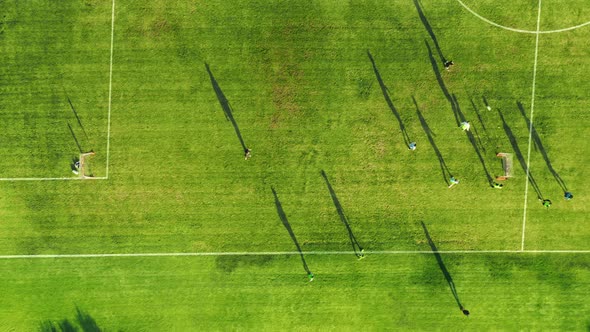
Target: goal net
[{"x": 506, "y": 165}]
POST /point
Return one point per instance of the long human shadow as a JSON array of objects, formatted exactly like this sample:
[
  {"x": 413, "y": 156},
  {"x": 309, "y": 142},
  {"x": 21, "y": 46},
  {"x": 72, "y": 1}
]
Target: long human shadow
[
  {"x": 353, "y": 241},
  {"x": 441, "y": 83},
  {"x": 75, "y": 138},
  {"x": 462, "y": 117},
  {"x": 485, "y": 102},
  {"x": 483, "y": 125},
  {"x": 519, "y": 155},
  {"x": 442, "y": 266},
  {"x": 541, "y": 148},
  {"x": 283, "y": 218},
  {"x": 430, "y": 31},
  {"x": 446, "y": 173},
  {"x": 385, "y": 92},
  {"x": 227, "y": 110},
  {"x": 77, "y": 117},
  {"x": 473, "y": 141}
]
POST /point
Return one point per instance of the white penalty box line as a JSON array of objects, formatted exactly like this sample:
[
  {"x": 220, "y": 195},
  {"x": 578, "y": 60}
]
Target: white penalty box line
[
  {"x": 537, "y": 33},
  {"x": 293, "y": 253},
  {"x": 8, "y": 179}
]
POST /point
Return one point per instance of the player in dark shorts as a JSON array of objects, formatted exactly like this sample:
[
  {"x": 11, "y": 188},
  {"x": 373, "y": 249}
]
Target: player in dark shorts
[{"x": 448, "y": 64}]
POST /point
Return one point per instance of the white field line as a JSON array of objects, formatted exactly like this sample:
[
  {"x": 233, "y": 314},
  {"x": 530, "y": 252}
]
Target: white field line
[
  {"x": 110, "y": 89},
  {"x": 528, "y": 161},
  {"x": 292, "y": 253},
  {"x": 54, "y": 179},
  {"x": 519, "y": 30}
]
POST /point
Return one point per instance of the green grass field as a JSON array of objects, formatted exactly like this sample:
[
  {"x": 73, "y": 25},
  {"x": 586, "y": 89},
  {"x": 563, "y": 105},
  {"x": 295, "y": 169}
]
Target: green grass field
[{"x": 312, "y": 86}]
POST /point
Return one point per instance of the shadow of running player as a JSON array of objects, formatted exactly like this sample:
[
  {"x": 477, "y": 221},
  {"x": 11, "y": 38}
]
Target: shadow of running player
[
  {"x": 353, "y": 241},
  {"x": 541, "y": 148},
  {"x": 385, "y": 92},
  {"x": 227, "y": 111},
  {"x": 285, "y": 222},
  {"x": 446, "y": 173},
  {"x": 428, "y": 28},
  {"x": 472, "y": 140},
  {"x": 520, "y": 157},
  {"x": 444, "y": 270}
]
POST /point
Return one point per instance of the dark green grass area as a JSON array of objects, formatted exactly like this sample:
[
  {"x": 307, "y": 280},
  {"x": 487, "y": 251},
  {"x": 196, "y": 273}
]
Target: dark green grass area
[
  {"x": 390, "y": 292},
  {"x": 309, "y": 86},
  {"x": 52, "y": 53}
]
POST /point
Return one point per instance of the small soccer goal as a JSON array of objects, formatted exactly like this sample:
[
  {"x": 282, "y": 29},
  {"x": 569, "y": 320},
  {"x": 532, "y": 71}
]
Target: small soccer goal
[
  {"x": 81, "y": 167},
  {"x": 506, "y": 165}
]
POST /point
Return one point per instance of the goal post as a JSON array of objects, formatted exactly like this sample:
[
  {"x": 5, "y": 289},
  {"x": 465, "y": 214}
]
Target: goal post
[
  {"x": 506, "y": 165},
  {"x": 84, "y": 170}
]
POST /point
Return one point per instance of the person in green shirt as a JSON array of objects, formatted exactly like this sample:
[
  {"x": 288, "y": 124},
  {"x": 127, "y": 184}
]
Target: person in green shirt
[{"x": 453, "y": 181}]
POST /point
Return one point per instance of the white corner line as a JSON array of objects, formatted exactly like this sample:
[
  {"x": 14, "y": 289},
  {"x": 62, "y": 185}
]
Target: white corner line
[
  {"x": 528, "y": 161},
  {"x": 292, "y": 253},
  {"x": 519, "y": 30},
  {"x": 110, "y": 90}
]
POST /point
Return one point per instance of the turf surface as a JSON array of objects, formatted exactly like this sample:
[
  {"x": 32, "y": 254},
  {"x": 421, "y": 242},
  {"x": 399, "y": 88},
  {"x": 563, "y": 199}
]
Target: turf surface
[{"x": 305, "y": 97}]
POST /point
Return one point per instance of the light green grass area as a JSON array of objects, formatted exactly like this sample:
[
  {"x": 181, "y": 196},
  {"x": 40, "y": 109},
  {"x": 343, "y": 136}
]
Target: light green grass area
[
  {"x": 509, "y": 292},
  {"x": 306, "y": 97}
]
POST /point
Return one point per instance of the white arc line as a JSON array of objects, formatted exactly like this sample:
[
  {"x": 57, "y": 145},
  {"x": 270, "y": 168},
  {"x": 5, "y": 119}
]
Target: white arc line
[
  {"x": 110, "y": 90},
  {"x": 292, "y": 253},
  {"x": 519, "y": 30},
  {"x": 528, "y": 161}
]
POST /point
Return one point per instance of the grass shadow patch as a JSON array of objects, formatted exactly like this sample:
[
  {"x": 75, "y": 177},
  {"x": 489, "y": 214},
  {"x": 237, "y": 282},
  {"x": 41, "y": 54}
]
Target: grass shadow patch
[
  {"x": 83, "y": 322},
  {"x": 229, "y": 263}
]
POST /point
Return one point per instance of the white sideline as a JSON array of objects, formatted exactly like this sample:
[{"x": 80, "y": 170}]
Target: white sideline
[
  {"x": 110, "y": 90},
  {"x": 287, "y": 253},
  {"x": 528, "y": 161},
  {"x": 519, "y": 30}
]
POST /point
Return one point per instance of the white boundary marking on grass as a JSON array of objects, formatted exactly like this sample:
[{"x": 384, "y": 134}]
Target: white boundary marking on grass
[
  {"x": 519, "y": 30},
  {"x": 110, "y": 89},
  {"x": 528, "y": 161},
  {"x": 293, "y": 253}
]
